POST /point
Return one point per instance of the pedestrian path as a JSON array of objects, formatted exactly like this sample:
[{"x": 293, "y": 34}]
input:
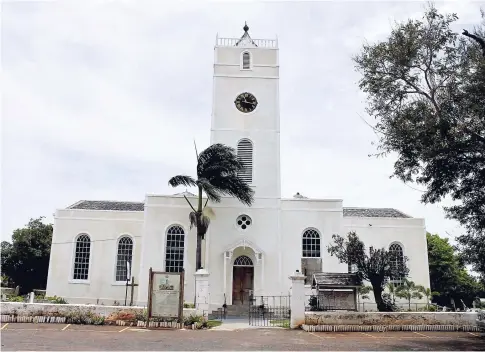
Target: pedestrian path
[{"x": 234, "y": 324}]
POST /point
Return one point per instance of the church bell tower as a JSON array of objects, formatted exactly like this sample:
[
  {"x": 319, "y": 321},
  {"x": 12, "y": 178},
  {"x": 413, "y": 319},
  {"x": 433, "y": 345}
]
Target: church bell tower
[{"x": 245, "y": 110}]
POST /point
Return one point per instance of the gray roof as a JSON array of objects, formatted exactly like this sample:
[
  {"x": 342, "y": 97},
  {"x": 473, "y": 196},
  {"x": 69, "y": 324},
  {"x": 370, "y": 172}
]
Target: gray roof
[
  {"x": 374, "y": 213},
  {"x": 108, "y": 205},
  {"x": 139, "y": 206},
  {"x": 185, "y": 193},
  {"x": 336, "y": 280}
]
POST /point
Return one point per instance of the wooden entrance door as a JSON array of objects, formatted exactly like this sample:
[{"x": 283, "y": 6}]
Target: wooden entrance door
[{"x": 242, "y": 284}]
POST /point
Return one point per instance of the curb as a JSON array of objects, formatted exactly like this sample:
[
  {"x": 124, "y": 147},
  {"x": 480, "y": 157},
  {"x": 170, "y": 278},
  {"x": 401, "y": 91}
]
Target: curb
[{"x": 383, "y": 328}]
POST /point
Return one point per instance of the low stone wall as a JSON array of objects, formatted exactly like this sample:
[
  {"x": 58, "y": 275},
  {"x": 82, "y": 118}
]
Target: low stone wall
[
  {"x": 391, "y": 318},
  {"x": 49, "y": 309}
]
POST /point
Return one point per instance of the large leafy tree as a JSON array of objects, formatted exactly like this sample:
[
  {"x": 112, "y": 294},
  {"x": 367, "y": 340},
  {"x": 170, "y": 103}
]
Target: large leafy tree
[
  {"x": 374, "y": 265},
  {"x": 448, "y": 274},
  {"x": 25, "y": 261},
  {"x": 425, "y": 87},
  {"x": 218, "y": 171}
]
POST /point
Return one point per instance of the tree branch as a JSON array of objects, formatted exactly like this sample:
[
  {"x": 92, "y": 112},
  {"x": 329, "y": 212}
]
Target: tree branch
[{"x": 479, "y": 40}]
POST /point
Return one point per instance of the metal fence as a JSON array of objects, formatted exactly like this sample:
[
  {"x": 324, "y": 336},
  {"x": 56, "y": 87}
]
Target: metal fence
[
  {"x": 403, "y": 307},
  {"x": 269, "y": 311},
  {"x": 328, "y": 302}
]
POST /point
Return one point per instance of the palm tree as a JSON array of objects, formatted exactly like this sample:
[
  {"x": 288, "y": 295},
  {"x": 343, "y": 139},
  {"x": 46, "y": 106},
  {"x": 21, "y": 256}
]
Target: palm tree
[
  {"x": 409, "y": 290},
  {"x": 392, "y": 291},
  {"x": 217, "y": 175},
  {"x": 364, "y": 291},
  {"x": 428, "y": 294}
]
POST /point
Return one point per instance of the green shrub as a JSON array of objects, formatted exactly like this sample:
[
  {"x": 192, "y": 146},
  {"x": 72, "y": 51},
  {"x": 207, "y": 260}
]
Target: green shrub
[
  {"x": 78, "y": 317},
  {"x": 15, "y": 299},
  {"x": 56, "y": 300},
  {"x": 189, "y": 305},
  {"x": 143, "y": 316},
  {"x": 193, "y": 319}
]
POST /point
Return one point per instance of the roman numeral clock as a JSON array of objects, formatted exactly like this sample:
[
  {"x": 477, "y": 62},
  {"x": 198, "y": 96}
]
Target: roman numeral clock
[{"x": 246, "y": 102}]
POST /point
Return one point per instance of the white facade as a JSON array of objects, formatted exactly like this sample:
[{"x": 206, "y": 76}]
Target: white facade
[{"x": 273, "y": 237}]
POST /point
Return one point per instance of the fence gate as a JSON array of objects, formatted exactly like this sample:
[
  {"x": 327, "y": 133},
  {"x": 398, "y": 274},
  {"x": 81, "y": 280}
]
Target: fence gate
[{"x": 269, "y": 311}]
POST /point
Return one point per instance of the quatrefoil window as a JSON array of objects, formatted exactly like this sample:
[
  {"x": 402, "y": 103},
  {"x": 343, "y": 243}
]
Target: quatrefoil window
[{"x": 243, "y": 222}]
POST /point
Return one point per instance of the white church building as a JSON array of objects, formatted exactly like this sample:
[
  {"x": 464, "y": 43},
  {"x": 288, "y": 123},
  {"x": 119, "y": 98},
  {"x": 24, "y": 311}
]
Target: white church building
[{"x": 247, "y": 249}]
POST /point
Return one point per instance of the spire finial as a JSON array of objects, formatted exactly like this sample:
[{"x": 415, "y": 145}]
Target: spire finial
[{"x": 246, "y": 28}]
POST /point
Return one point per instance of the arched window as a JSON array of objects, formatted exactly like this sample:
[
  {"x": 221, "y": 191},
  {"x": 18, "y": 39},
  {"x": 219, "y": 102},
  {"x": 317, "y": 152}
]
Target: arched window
[
  {"x": 245, "y": 156},
  {"x": 243, "y": 260},
  {"x": 81, "y": 258},
  {"x": 351, "y": 268},
  {"x": 397, "y": 250},
  {"x": 124, "y": 255},
  {"x": 246, "y": 61},
  {"x": 174, "y": 255},
  {"x": 311, "y": 244}
]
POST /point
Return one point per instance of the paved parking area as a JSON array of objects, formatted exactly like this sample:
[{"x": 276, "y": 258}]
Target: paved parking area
[{"x": 28, "y": 337}]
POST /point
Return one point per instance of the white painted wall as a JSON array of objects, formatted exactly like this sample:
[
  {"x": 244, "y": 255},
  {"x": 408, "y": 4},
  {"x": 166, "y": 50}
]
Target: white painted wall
[
  {"x": 261, "y": 126},
  {"x": 104, "y": 229},
  {"x": 160, "y": 213},
  {"x": 409, "y": 232},
  {"x": 277, "y": 225}
]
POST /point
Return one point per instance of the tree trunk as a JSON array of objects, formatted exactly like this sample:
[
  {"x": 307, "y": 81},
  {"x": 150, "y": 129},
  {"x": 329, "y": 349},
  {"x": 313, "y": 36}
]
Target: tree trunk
[
  {"x": 198, "y": 250},
  {"x": 377, "y": 289},
  {"x": 200, "y": 233}
]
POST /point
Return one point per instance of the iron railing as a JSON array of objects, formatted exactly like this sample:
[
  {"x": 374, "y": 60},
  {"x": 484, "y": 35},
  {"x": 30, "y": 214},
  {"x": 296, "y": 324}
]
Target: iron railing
[
  {"x": 318, "y": 303},
  {"x": 269, "y": 311}
]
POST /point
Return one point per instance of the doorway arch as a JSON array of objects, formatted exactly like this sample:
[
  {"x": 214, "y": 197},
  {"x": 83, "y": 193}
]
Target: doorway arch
[{"x": 242, "y": 280}]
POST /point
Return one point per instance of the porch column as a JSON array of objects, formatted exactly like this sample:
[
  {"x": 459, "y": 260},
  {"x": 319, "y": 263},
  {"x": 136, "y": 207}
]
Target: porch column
[
  {"x": 297, "y": 300},
  {"x": 227, "y": 258},
  {"x": 202, "y": 293}
]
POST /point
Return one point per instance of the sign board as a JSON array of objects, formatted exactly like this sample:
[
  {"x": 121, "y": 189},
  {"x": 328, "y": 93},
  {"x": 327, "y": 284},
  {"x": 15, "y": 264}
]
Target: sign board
[{"x": 165, "y": 294}]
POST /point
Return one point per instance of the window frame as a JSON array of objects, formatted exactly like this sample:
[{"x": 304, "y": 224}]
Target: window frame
[
  {"x": 71, "y": 278},
  {"x": 241, "y": 61},
  {"x": 397, "y": 282},
  {"x": 319, "y": 242},
  {"x": 123, "y": 235},
  {"x": 165, "y": 252},
  {"x": 246, "y": 139}
]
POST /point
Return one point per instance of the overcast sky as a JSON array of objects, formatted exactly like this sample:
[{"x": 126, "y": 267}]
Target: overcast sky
[{"x": 102, "y": 100}]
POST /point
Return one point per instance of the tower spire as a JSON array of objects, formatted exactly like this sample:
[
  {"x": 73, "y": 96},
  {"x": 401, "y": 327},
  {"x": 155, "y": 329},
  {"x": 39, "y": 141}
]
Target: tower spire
[
  {"x": 246, "y": 38},
  {"x": 246, "y": 28}
]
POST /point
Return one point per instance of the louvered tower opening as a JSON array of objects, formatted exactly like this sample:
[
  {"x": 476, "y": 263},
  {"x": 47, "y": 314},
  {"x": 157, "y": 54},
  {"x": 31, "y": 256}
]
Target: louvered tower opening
[
  {"x": 246, "y": 61},
  {"x": 245, "y": 155}
]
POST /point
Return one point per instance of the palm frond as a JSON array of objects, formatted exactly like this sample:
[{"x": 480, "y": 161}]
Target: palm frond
[
  {"x": 218, "y": 159},
  {"x": 203, "y": 225},
  {"x": 209, "y": 212},
  {"x": 182, "y": 180},
  {"x": 234, "y": 186},
  {"x": 193, "y": 219},
  {"x": 210, "y": 191}
]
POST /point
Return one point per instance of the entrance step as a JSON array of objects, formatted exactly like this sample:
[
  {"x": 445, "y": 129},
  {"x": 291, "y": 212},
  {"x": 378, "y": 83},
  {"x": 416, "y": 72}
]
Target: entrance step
[{"x": 232, "y": 311}]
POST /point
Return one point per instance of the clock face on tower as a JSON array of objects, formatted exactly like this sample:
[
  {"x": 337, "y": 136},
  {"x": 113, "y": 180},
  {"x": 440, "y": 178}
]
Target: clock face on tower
[{"x": 246, "y": 102}]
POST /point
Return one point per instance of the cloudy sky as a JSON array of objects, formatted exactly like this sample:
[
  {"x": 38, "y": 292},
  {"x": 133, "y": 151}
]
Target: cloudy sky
[{"x": 102, "y": 100}]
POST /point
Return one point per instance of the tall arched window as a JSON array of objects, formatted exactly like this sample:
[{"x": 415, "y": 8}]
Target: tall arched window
[
  {"x": 311, "y": 244},
  {"x": 245, "y": 155},
  {"x": 174, "y": 255},
  {"x": 124, "y": 255},
  {"x": 81, "y": 258},
  {"x": 246, "y": 60},
  {"x": 397, "y": 250}
]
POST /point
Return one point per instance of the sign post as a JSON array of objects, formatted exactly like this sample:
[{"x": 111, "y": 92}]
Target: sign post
[{"x": 165, "y": 295}]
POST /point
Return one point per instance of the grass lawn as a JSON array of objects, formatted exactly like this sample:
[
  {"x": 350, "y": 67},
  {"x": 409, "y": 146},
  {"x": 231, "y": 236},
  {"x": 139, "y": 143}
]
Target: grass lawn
[
  {"x": 284, "y": 323},
  {"x": 213, "y": 323}
]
